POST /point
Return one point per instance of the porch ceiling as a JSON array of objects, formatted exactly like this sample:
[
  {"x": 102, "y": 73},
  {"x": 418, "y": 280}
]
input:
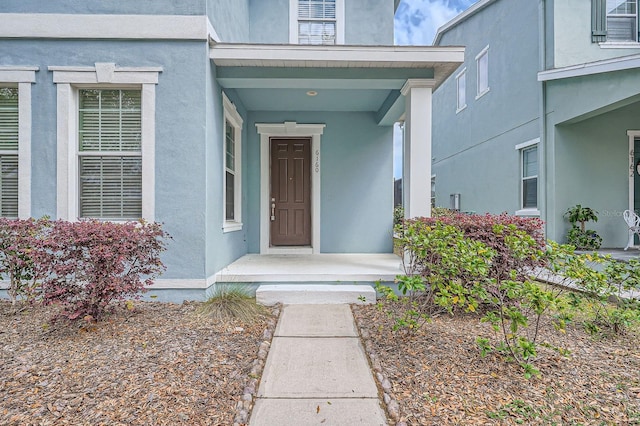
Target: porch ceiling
[{"x": 346, "y": 78}]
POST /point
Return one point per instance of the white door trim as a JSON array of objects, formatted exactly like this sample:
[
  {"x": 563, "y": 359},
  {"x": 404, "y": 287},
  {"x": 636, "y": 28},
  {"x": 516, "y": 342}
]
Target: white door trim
[
  {"x": 633, "y": 135},
  {"x": 289, "y": 129}
]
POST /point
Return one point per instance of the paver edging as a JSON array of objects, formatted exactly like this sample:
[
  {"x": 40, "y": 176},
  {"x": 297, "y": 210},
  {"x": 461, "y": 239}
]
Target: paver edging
[
  {"x": 247, "y": 400},
  {"x": 382, "y": 380}
]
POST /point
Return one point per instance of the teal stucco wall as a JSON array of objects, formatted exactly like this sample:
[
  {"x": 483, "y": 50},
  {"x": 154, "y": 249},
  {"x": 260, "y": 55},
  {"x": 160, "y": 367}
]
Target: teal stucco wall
[
  {"x": 587, "y": 158},
  {"x": 474, "y": 149}
]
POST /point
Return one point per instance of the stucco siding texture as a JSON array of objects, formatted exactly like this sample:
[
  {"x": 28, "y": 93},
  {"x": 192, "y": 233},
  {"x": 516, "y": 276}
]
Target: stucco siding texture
[
  {"x": 369, "y": 22},
  {"x": 474, "y": 149},
  {"x": 587, "y": 127},
  {"x": 125, "y": 7},
  {"x": 572, "y": 36}
]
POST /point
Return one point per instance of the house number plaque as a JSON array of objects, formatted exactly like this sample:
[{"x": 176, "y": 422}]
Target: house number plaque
[{"x": 316, "y": 163}]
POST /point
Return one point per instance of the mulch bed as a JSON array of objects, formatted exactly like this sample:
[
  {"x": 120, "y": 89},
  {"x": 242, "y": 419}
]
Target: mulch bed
[
  {"x": 158, "y": 364},
  {"x": 439, "y": 378}
]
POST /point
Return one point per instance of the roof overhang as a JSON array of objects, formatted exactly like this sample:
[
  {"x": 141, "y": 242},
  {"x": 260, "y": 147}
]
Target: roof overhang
[
  {"x": 345, "y": 78},
  {"x": 590, "y": 68},
  {"x": 477, "y": 7},
  {"x": 443, "y": 60}
]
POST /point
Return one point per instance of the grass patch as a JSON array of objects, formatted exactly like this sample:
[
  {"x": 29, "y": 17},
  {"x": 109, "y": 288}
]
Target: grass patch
[{"x": 226, "y": 303}]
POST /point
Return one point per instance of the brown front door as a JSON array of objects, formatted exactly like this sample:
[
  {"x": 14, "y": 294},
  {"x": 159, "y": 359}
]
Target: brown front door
[{"x": 290, "y": 192}]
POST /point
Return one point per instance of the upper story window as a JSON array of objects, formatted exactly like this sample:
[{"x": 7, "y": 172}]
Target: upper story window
[
  {"x": 317, "y": 22},
  {"x": 614, "y": 21},
  {"x": 622, "y": 20},
  {"x": 461, "y": 90},
  {"x": 482, "y": 66}
]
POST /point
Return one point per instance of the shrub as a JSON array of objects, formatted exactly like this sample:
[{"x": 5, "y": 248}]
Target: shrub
[
  {"x": 398, "y": 215},
  {"x": 482, "y": 228},
  {"x": 17, "y": 238},
  {"x": 461, "y": 262},
  {"x": 88, "y": 264}
]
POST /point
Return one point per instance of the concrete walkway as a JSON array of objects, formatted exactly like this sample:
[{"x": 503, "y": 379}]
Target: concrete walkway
[{"x": 317, "y": 372}]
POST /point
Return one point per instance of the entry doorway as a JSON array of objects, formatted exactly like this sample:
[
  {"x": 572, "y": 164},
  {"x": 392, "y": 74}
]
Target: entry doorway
[{"x": 290, "y": 197}]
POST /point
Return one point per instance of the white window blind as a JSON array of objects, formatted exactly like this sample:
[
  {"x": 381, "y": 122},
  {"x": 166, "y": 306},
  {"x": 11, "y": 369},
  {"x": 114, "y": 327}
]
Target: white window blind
[
  {"x": 110, "y": 156},
  {"x": 530, "y": 178},
  {"x": 317, "y": 21},
  {"x": 622, "y": 20},
  {"x": 8, "y": 152}
]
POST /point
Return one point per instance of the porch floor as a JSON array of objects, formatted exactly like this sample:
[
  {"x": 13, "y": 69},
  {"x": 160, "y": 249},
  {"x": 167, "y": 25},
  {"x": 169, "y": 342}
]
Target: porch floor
[
  {"x": 320, "y": 268},
  {"x": 618, "y": 253}
]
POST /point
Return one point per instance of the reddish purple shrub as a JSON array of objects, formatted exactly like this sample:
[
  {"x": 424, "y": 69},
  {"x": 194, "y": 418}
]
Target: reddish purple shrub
[
  {"x": 88, "y": 264},
  {"x": 17, "y": 237}
]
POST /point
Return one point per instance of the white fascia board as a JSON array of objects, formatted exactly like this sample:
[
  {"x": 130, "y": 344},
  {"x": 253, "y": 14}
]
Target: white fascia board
[
  {"x": 53, "y": 25},
  {"x": 371, "y": 56},
  {"x": 590, "y": 68},
  {"x": 460, "y": 18}
]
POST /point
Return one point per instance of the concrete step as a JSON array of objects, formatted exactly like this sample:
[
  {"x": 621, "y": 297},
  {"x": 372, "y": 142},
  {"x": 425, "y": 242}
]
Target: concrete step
[{"x": 293, "y": 294}]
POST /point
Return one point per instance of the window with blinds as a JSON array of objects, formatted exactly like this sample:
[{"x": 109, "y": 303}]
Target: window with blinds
[
  {"x": 110, "y": 154},
  {"x": 317, "y": 21},
  {"x": 530, "y": 178},
  {"x": 8, "y": 152},
  {"x": 230, "y": 172},
  {"x": 622, "y": 20}
]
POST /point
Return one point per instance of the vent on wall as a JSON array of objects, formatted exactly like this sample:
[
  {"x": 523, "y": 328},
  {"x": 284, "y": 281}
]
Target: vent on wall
[{"x": 454, "y": 202}]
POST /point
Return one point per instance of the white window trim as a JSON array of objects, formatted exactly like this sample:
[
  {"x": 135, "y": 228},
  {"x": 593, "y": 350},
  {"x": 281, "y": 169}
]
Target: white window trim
[
  {"x": 293, "y": 22},
  {"x": 231, "y": 114},
  {"x": 462, "y": 73},
  {"x": 619, "y": 45},
  {"x": 104, "y": 75},
  {"x": 285, "y": 130},
  {"x": 23, "y": 78},
  {"x": 483, "y": 52},
  {"x": 520, "y": 148}
]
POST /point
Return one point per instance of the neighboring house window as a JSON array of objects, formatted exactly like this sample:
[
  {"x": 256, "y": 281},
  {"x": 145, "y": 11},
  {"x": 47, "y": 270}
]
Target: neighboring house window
[
  {"x": 528, "y": 153},
  {"x": 232, "y": 188},
  {"x": 622, "y": 20},
  {"x": 614, "y": 21},
  {"x": 106, "y": 142},
  {"x": 9, "y": 152},
  {"x": 482, "y": 66},
  {"x": 317, "y": 22},
  {"x": 461, "y": 89},
  {"x": 15, "y": 140},
  {"x": 110, "y": 154}
]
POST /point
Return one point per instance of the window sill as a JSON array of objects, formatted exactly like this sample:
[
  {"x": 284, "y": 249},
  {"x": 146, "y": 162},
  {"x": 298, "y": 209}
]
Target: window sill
[
  {"x": 619, "y": 45},
  {"x": 481, "y": 94},
  {"x": 231, "y": 227},
  {"x": 461, "y": 109},
  {"x": 528, "y": 212}
]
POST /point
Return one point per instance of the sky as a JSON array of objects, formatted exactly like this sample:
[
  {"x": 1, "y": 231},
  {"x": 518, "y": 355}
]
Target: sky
[{"x": 416, "y": 23}]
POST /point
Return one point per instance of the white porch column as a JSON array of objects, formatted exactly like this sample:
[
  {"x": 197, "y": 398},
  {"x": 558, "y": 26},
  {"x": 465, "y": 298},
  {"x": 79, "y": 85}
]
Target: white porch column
[{"x": 416, "y": 175}]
